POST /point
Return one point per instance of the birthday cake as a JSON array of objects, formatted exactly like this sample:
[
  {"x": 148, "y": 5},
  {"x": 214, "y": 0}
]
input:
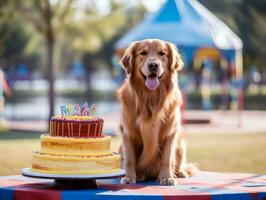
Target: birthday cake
[{"x": 75, "y": 145}]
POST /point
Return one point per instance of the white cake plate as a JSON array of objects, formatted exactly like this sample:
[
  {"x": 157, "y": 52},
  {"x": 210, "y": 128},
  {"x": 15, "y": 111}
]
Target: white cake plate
[{"x": 72, "y": 180}]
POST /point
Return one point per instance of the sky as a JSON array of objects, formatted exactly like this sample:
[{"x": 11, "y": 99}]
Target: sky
[
  {"x": 153, "y": 5},
  {"x": 103, "y": 5}
]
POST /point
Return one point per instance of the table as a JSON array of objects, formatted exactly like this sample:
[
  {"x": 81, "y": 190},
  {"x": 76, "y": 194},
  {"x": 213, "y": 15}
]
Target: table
[{"x": 205, "y": 185}]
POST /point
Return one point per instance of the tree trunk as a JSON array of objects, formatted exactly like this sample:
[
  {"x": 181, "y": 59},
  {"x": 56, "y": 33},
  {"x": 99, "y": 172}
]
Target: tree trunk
[
  {"x": 50, "y": 42},
  {"x": 51, "y": 75}
]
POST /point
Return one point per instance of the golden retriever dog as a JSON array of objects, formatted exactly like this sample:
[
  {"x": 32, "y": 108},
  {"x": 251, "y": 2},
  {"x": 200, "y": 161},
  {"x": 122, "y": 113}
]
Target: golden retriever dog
[{"x": 153, "y": 147}]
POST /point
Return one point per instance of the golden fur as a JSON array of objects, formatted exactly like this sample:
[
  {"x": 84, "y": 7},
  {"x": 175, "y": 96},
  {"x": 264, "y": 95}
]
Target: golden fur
[{"x": 152, "y": 144}]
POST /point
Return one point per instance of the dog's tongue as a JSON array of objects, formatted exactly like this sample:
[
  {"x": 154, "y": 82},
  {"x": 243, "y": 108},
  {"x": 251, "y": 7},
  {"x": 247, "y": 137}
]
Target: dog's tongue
[{"x": 152, "y": 83}]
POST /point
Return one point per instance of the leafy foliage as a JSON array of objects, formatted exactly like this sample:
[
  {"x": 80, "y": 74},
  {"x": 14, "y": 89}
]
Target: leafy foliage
[{"x": 84, "y": 32}]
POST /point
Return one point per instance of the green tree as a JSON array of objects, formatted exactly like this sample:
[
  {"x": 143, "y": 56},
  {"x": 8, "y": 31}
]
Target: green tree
[
  {"x": 11, "y": 51},
  {"x": 47, "y": 17}
]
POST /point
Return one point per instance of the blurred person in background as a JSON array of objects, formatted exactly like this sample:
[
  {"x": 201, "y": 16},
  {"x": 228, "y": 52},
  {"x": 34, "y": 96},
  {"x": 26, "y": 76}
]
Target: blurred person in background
[
  {"x": 224, "y": 78},
  {"x": 206, "y": 84},
  {"x": 254, "y": 79},
  {"x": 4, "y": 88}
]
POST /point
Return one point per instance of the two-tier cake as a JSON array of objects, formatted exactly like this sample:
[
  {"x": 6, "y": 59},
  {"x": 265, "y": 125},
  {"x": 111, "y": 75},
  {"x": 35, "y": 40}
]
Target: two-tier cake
[{"x": 75, "y": 145}]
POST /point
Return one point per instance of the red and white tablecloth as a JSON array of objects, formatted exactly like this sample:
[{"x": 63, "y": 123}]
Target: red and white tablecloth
[{"x": 205, "y": 185}]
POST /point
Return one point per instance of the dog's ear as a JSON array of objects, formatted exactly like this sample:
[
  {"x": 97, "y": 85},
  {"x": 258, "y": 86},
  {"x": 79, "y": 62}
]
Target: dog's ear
[
  {"x": 176, "y": 62},
  {"x": 127, "y": 59}
]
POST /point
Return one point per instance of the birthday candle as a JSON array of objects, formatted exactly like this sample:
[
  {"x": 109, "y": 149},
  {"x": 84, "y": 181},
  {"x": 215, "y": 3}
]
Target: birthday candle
[
  {"x": 77, "y": 110},
  {"x": 85, "y": 109},
  {"x": 93, "y": 108},
  {"x": 70, "y": 109},
  {"x": 63, "y": 110}
]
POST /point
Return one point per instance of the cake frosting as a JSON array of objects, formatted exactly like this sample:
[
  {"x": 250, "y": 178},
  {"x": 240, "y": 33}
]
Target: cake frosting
[
  {"x": 45, "y": 163},
  {"x": 75, "y": 145},
  {"x": 76, "y": 126}
]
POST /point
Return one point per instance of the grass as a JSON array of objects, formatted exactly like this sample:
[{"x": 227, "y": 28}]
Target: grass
[
  {"x": 229, "y": 152},
  {"x": 232, "y": 153}
]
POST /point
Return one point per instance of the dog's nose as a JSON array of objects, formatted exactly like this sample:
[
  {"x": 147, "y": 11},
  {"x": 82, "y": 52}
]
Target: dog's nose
[{"x": 153, "y": 66}]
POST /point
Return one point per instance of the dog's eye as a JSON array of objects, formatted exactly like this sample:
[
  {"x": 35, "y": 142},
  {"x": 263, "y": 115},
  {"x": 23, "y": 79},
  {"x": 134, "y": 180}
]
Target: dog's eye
[
  {"x": 143, "y": 53},
  {"x": 161, "y": 53}
]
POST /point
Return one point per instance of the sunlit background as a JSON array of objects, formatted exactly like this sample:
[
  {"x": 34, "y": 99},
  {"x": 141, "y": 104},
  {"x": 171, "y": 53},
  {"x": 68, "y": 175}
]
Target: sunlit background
[{"x": 56, "y": 53}]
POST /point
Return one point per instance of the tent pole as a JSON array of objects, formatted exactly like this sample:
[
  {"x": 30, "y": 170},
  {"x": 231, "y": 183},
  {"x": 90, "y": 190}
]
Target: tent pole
[{"x": 239, "y": 78}]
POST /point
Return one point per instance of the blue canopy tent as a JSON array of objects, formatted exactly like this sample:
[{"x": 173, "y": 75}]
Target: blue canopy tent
[{"x": 190, "y": 26}]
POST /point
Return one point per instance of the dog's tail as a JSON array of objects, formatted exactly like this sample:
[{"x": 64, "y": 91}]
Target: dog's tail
[{"x": 191, "y": 168}]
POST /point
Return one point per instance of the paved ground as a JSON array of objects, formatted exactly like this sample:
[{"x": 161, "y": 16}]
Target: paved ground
[
  {"x": 227, "y": 122},
  {"x": 219, "y": 122}
]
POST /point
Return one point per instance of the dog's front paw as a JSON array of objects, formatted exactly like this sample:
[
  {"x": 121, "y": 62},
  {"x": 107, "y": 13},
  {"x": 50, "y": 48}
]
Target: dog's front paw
[
  {"x": 167, "y": 181},
  {"x": 128, "y": 180},
  {"x": 182, "y": 174}
]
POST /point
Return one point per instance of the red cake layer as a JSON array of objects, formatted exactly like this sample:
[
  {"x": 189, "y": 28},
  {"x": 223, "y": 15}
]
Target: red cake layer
[{"x": 76, "y": 128}]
